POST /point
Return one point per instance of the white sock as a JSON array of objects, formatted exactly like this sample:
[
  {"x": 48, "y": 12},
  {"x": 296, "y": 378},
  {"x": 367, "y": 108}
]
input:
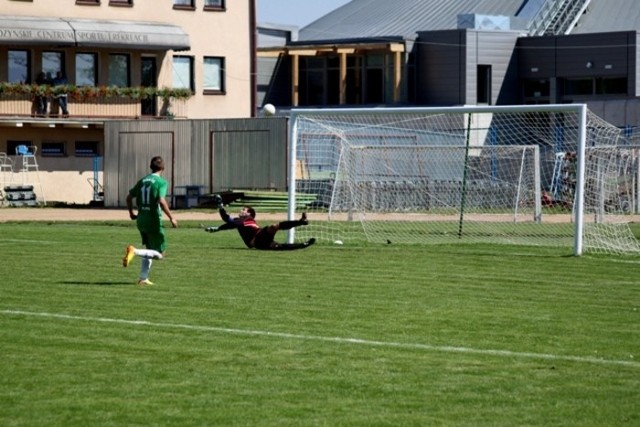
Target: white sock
[
  {"x": 146, "y": 268},
  {"x": 148, "y": 254}
]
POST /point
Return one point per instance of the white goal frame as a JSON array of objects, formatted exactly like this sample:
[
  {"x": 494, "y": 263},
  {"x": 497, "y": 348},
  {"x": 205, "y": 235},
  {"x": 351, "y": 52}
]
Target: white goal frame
[{"x": 580, "y": 110}]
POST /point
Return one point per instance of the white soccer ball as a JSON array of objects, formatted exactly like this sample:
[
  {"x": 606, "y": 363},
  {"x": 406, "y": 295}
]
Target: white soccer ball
[
  {"x": 269, "y": 110},
  {"x": 338, "y": 242}
]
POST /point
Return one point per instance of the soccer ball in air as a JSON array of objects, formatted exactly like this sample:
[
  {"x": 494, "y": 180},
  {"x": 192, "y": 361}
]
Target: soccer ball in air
[{"x": 269, "y": 110}]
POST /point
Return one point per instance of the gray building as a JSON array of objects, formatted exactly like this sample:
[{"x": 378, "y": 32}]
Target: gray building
[{"x": 436, "y": 52}]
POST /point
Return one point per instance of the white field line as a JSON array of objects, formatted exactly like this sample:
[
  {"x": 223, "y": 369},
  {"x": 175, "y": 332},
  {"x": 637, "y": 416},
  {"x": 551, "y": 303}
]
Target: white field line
[
  {"x": 339, "y": 340},
  {"x": 12, "y": 241}
]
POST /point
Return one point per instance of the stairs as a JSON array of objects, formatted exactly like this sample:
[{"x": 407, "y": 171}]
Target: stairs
[{"x": 557, "y": 17}]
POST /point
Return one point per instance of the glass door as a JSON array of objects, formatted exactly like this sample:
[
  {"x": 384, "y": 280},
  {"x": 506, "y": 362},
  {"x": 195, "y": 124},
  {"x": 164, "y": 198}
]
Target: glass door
[{"x": 148, "y": 79}]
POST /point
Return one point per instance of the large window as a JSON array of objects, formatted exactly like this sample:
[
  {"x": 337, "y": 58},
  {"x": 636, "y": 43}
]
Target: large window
[
  {"x": 86, "y": 69},
  {"x": 369, "y": 79},
  {"x": 589, "y": 86},
  {"x": 119, "y": 70},
  {"x": 611, "y": 86},
  {"x": 578, "y": 86},
  {"x": 213, "y": 70},
  {"x": 183, "y": 72},
  {"x": 52, "y": 62},
  {"x": 19, "y": 66},
  {"x": 483, "y": 90}
]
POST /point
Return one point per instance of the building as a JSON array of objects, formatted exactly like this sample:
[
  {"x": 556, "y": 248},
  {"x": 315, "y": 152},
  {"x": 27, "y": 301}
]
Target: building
[
  {"x": 144, "y": 60},
  {"x": 439, "y": 53}
]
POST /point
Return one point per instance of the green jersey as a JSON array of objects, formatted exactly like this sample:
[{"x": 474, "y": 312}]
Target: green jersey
[{"x": 148, "y": 192}]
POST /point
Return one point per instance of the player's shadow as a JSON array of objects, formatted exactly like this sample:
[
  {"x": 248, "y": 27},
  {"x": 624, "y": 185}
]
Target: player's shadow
[{"x": 94, "y": 283}]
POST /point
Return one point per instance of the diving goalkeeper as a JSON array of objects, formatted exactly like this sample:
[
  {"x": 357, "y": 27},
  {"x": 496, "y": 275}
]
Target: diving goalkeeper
[{"x": 255, "y": 236}]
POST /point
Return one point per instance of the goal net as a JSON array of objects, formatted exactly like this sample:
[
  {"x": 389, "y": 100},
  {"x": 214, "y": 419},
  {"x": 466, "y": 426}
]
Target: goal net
[{"x": 552, "y": 175}]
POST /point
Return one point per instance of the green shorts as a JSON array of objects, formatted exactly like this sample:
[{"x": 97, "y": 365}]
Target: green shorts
[{"x": 153, "y": 237}]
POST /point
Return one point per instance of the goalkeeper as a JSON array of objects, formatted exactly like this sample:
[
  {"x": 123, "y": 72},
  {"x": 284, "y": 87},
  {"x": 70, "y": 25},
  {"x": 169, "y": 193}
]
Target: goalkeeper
[{"x": 255, "y": 236}]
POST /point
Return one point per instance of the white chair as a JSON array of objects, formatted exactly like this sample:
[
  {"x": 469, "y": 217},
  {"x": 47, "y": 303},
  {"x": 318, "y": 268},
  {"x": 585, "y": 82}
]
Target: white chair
[
  {"x": 30, "y": 163},
  {"x": 28, "y": 153}
]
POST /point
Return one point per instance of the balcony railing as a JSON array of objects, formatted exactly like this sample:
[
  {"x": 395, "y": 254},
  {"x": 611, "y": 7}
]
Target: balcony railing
[{"x": 95, "y": 102}]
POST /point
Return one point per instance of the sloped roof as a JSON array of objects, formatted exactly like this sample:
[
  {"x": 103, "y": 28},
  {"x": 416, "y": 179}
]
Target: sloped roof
[
  {"x": 384, "y": 18},
  {"x": 609, "y": 15},
  {"x": 380, "y": 18}
]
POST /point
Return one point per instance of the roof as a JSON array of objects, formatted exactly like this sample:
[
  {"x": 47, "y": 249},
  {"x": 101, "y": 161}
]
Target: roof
[
  {"x": 384, "y": 18},
  {"x": 609, "y": 15},
  {"x": 381, "y": 18}
]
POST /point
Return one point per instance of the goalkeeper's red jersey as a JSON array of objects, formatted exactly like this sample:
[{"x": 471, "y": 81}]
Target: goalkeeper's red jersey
[{"x": 247, "y": 227}]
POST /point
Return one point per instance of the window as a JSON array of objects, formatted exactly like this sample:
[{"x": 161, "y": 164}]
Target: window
[
  {"x": 483, "y": 92},
  {"x": 120, "y": 2},
  {"x": 52, "y": 62},
  {"x": 183, "y": 72},
  {"x": 537, "y": 88},
  {"x": 53, "y": 149},
  {"x": 12, "y": 145},
  {"x": 213, "y": 4},
  {"x": 611, "y": 85},
  {"x": 86, "y": 69},
  {"x": 374, "y": 79},
  {"x": 19, "y": 66},
  {"x": 213, "y": 70},
  {"x": 183, "y": 4},
  {"x": 88, "y": 2},
  {"x": 86, "y": 149},
  {"x": 119, "y": 70},
  {"x": 578, "y": 86}
]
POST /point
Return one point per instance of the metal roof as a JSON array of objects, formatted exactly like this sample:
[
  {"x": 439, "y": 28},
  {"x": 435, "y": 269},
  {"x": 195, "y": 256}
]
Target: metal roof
[
  {"x": 380, "y": 18},
  {"x": 609, "y": 15},
  {"x": 384, "y": 18}
]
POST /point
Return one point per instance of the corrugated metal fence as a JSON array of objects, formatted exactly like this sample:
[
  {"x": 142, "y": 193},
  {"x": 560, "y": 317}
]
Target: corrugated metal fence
[{"x": 209, "y": 155}]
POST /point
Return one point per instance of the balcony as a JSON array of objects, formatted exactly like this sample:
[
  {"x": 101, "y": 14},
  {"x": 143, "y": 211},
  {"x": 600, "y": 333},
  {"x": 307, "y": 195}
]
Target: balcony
[{"x": 108, "y": 103}]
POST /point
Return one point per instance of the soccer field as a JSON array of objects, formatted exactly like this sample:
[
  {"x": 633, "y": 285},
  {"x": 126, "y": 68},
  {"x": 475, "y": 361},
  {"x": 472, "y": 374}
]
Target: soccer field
[{"x": 330, "y": 335}]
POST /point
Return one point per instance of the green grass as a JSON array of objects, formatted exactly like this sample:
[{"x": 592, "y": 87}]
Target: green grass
[{"x": 383, "y": 335}]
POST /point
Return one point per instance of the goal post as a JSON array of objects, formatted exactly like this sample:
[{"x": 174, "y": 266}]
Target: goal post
[{"x": 554, "y": 175}]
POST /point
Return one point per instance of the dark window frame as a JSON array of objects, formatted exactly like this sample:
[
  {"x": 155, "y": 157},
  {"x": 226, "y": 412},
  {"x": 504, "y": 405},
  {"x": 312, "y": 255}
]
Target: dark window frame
[
  {"x": 222, "y": 90},
  {"x": 86, "y": 148},
  {"x": 96, "y": 57},
  {"x": 190, "y": 6},
  {"x": 121, "y": 3},
  {"x": 128, "y": 56},
  {"x": 484, "y": 85},
  {"x": 53, "y": 148},
  {"x": 12, "y": 144},
  {"x": 28, "y": 65},
  {"x": 191, "y": 59},
  {"x": 215, "y": 8}
]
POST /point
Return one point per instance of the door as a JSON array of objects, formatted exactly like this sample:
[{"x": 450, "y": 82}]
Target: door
[{"x": 148, "y": 79}]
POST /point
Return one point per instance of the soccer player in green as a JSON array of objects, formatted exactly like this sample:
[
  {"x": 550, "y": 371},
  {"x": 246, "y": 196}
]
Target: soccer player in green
[{"x": 149, "y": 193}]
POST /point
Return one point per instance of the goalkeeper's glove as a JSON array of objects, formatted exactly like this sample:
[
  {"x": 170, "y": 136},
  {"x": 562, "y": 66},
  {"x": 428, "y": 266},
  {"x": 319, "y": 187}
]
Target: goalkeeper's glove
[
  {"x": 217, "y": 200},
  {"x": 211, "y": 229}
]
